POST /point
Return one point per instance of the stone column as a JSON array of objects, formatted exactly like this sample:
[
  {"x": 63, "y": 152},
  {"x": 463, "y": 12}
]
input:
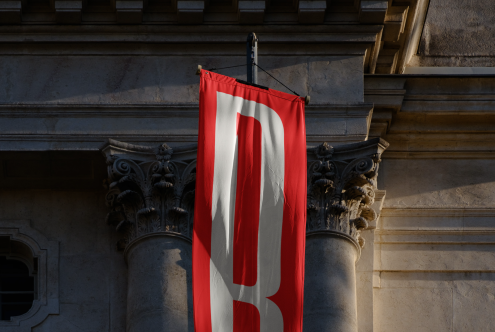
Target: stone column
[
  {"x": 151, "y": 198},
  {"x": 159, "y": 294},
  {"x": 341, "y": 190}
]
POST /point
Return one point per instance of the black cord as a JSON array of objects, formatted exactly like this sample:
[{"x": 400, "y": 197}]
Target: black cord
[
  {"x": 213, "y": 69},
  {"x": 276, "y": 80},
  {"x": 254, "y": 63}
]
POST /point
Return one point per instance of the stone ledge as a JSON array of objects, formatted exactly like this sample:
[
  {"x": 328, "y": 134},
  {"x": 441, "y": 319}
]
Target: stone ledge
[
  {"x": 86, "y": 127},
  {"x": 190, "y": 34},
  {"x": 439, "y": 212}
]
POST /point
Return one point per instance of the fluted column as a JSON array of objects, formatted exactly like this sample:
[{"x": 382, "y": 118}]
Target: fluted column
[
  {"x": 341, "y": 190},
  {"x": 151, "y": 198}
]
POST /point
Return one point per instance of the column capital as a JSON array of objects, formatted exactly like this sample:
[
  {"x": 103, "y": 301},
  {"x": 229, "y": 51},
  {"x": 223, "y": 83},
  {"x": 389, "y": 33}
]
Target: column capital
[
  {"x": 342, "y": 181},
  {"x": 151, "y": 189}
]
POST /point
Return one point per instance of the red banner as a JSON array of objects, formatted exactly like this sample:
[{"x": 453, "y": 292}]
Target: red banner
[{"x": 250, "y": 210}]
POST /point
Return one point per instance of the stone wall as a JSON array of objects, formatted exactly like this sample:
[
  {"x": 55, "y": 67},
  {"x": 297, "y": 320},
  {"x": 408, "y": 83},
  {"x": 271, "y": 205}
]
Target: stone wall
[
  {"x": 92, "y": 273},
  {"x": 78, "y": 95},
  {"x": 457, "y": 33},
  {"x": 434, "y": 248}
]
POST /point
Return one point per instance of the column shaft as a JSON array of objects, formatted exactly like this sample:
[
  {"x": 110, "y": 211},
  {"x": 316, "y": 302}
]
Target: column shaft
[
  {"x": 330, "y": 284},
  {"x": 159, "y": 296}
]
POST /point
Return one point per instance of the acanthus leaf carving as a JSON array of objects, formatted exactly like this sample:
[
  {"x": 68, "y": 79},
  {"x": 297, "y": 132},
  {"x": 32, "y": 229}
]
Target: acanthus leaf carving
[
  {"x": 151, "y": 195},
  {"x": 151, "y": 190},
  {"x": 341, "y": 187}
]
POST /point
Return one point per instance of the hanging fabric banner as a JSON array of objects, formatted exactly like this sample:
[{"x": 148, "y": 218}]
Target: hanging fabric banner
[{"x": 250, "y": 209}]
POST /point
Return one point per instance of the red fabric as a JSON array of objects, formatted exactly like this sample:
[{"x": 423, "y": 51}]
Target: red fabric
[
  {"x": 289, "y": 297},
  {"x": 247, "y": 202},
  {"x": 246, "y": 317}
]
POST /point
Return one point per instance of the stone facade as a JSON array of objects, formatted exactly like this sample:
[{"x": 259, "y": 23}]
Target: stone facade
[{"x": 99, "y": 117}]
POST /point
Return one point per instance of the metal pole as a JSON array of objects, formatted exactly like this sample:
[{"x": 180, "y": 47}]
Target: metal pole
[{"x": 252, "y": 57}]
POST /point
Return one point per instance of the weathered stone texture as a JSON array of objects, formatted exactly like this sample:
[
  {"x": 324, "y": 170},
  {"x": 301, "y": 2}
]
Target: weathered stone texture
[
  {"x": 444, "y": 301},
  {"x": 405, "y": 309},
  {"x": 457, "y": 184},
  {"x": 160, "y": 285},
  {"x": 434, "y": 246},
  {"x": 457, "y": 33},
  {"x": 459, "y": 28}
]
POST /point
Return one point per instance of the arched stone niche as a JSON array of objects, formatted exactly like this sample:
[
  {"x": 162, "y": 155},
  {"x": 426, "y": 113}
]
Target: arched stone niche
[{"x": 37, "y": 252}]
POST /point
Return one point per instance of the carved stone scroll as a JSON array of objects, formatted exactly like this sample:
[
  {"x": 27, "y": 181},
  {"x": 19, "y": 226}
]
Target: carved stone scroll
[{"x": 151, "y": 189}]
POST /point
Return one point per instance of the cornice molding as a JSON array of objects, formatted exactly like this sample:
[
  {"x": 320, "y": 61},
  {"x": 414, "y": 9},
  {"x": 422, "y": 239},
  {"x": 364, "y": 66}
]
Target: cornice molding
[
  {"x": 192, "y": 40},
  {"x": 433, "y": 116},
  {"x": 391, "y": 32},
  {"x": 199, "y": 34},
  {"x": 51, "y": 126}
]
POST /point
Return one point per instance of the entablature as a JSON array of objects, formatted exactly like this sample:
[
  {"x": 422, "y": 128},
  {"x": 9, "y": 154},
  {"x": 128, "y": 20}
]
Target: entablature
[
  {"x": 389, "y": 29},
  {"x": 434, "y": 116},
  {"x": 56, "y": 127}
]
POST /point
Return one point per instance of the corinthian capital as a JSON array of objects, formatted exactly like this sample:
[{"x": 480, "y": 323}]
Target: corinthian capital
[
  {"x": 150, "y": 190},
  {"x": 341, "y": 187}
]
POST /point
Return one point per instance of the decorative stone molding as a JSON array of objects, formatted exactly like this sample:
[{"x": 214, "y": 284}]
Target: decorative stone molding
[
  {"x": 151, "y": 190},
  {"x": 190, "y": 11},
  {"x": 251, "y": 12},
  {"x": 148, "y": 192},
  {"x": 11, "y": 12},
  {"x": 129, "y": 11},
  {"x": 68, "y": 11},
  {"x": 341, "y": 187},
  {"x": 312, "y": 12},
  {"x": 372, "y": 11}
]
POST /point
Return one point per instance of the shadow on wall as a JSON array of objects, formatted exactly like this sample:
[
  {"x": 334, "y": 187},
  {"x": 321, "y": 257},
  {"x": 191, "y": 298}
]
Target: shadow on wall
[
  {"x": 167, "y": 79},
  {"x": 438, "y": 182}
]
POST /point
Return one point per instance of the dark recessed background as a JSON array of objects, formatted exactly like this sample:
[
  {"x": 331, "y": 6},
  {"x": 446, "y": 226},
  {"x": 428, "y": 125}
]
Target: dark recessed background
[{"x": 67, "y": 170}]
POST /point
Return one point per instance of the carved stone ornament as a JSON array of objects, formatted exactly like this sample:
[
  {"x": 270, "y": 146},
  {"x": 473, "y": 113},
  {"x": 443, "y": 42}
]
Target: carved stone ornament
[
  {"x": 151, "y": 189},
  {"x": 148, "y": 191},
  {"x": 341, "y": 187}
]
